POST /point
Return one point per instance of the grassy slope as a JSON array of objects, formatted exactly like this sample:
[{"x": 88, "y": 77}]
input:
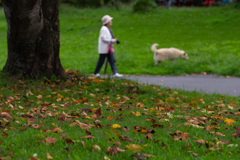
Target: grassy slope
[
  {"x": 188, "y": 125},
  {"x": 209, "y": 35}
]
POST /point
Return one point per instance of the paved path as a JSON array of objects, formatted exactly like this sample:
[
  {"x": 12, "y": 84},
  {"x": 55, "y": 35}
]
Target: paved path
[{"x": 201, "y": 83}]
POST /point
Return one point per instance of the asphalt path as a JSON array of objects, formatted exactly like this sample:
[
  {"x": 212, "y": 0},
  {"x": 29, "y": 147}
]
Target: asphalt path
[{"x": 211, "y": 84}]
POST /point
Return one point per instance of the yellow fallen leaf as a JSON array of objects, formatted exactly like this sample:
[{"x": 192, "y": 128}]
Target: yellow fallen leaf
[
  {"x": 134, "y": 147},
  {"x": 59, "y": 96},
  {"x": 138, "y": 114},
  {"x": 57, "y": 130},
  {"x": 116, "y": 126},
  {"x": 229, "y": 122}
]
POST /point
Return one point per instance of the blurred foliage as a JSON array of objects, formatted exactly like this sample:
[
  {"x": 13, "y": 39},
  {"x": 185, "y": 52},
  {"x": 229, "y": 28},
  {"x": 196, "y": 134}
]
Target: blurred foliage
[
  {"x": 143, "y": 5},
  {"x": 94, "y": 3},
  {"x": 85, "y": 3}
]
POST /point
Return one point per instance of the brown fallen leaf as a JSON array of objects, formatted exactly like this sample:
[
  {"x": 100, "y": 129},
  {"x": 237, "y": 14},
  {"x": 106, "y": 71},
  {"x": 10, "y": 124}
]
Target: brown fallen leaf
[
  {"x": 69, "y": 140},
  {"x": 237, "y": 134},
  {"x": 195, "y": 154},
  {"x": 36, "y": 126},
  {"x": 88, "y": 137},
  {"x": 111, "y": 151},
  {"x": 57, "y": 130},
  {"x": 50, "y": 140},
  {"x": 83, "y": 125}
]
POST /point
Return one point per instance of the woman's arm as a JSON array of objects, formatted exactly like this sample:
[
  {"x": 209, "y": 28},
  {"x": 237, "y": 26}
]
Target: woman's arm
[{"x": 106, "y": 37}]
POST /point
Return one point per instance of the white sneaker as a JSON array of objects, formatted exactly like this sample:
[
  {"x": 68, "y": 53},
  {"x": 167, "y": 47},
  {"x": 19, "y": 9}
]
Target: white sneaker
[
  {"x": 96, "y": 75},
  {"x": 117, "y": 75}
]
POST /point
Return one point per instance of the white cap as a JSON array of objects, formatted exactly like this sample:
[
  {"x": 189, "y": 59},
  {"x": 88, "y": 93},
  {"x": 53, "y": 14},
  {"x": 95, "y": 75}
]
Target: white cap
[{"x": 106, "y": 19}]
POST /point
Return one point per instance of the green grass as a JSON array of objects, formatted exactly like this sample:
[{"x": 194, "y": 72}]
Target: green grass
[
  {"x": 31, "y": 109},
  {"x": 210, "y": 36}
]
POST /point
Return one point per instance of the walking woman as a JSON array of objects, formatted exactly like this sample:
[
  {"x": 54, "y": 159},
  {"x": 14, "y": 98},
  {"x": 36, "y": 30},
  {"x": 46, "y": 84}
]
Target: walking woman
[{"x": 105, "y": 47}]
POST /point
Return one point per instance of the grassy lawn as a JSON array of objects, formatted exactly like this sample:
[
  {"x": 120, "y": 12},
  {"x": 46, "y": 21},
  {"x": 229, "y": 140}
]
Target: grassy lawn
[
  {"x": 210, "y": 36},
  {"x": 85, "y": 118}
]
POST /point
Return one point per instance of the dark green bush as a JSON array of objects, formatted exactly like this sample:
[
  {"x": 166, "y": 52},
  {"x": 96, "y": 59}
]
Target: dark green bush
[
  {"x": 85, "y": 3},
  {"x": 143, "y": 5}
]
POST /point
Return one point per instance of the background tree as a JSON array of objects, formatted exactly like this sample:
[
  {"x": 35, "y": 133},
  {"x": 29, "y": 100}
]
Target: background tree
[{"x": 33, "y": 37}]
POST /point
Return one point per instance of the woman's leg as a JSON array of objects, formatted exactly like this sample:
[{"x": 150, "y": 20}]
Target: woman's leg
[
  {"x": 100, "y": 63},
  {"x": 112, "y": 61}
]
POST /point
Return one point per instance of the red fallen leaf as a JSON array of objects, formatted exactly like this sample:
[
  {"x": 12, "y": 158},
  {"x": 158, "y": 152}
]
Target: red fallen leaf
[
  {"x": 50, "y": 140},
  {"x": 4, "y": 135},
  {"x": 157, "y": 125},
  {"x": 237, "y": 134}
]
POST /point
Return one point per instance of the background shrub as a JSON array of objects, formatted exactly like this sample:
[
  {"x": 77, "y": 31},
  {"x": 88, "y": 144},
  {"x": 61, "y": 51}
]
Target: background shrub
[
  {"x": 143, "y": 5},
  {"x": 85, "y": 3}
]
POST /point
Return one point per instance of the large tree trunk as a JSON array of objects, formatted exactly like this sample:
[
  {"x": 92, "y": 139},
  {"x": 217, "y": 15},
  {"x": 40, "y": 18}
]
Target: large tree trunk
[{"x": 33, "y": 37}]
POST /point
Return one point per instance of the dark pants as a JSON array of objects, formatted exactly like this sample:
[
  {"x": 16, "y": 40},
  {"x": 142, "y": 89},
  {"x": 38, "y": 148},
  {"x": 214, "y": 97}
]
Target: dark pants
[{"x": 111, "y": 60}]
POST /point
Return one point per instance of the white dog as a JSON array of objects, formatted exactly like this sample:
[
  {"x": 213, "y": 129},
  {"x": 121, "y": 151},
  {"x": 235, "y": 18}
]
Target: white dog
[{"x": 163, "y": 54}]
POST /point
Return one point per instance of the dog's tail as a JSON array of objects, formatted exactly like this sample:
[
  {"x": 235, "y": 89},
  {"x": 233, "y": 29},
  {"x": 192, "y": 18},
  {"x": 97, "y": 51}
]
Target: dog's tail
[{"x": 154, "y": 47}]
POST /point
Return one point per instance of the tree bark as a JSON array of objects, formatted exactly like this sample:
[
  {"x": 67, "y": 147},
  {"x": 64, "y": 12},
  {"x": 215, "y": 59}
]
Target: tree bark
[{"x": 33, "y": 38}]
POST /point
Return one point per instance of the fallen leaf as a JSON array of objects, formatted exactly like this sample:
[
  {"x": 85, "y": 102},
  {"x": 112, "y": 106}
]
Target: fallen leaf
[
  {"x": 229, "y": 122},
  {"x": 134, "y": 147},
  {"x": 96, "y": 148},
  {"x": 195, "y": 154},
  {"x": 83, "y": 125},
  {"x": 116, "y": 126},
  {"x": 237, "y": 134},
  {"x": 50, "y": 140},
  {"x": 57, "y": 130},
  {"x": 49, "y": 156},
  {"x": 110, "y": 117},
  {"x": 68, "y": 140}
]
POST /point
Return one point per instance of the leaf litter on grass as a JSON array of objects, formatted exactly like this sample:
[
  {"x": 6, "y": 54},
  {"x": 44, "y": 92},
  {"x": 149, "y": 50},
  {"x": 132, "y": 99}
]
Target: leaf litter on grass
[{"x": 116, "y": 120}]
